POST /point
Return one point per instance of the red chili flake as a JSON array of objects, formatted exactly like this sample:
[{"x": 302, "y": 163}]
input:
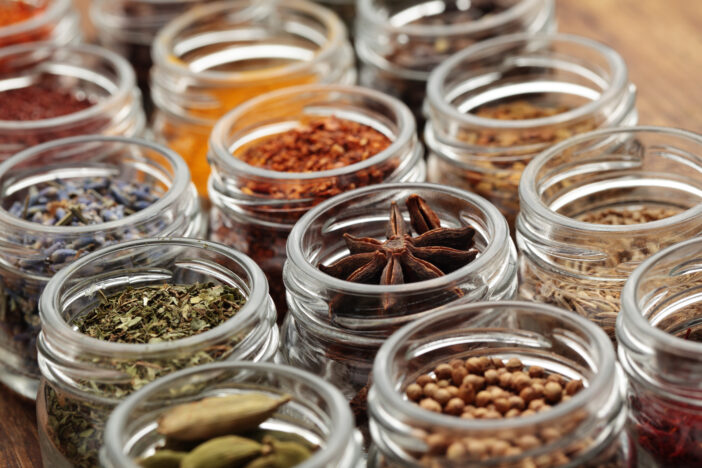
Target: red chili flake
[{"x": 39, "y": 101}]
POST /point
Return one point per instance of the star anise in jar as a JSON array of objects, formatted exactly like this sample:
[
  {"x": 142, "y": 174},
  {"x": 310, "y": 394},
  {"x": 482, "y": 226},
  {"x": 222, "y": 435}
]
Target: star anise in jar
[{"x": 435, "y": 251}]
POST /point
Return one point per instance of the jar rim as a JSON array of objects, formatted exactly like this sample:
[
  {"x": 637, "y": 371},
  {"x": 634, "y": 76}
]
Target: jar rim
[
  {"x": 387, "y": 389},
  {"x": 495, "y": 246},
  {"x": 181, "y": 181},
  {"x": 125, "y": 83},
  {"x": 369, "y": 13},
  {"x": 56, "y": 9},
  {"x": 340, "y": 417},
  {"x": 619, "y": 81},
  {"x": 406, "y": 125},
  {"x": 630, "y": 315},
  {"x": 161, "y": 55},
  {"x": 529, "y": 193},
  {"x": 50, "y": 301}
]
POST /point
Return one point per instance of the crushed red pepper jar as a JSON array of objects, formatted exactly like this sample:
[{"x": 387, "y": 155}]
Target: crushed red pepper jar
[
  {"x": 659, "y": 331},
  {"x": 278, "y": 155},
  {"x": 54, "y": 21},
  {"x": 496, "y": 105},
  {"x": 49, "y": 92}
]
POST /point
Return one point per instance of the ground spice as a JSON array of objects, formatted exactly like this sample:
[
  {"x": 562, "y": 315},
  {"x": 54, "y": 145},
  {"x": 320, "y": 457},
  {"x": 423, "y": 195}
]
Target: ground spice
[
  {"x": 585, "y": 294},
  {"x": 494, "y": 388},
  {"x": 12, "y": 12},
  {"x": 42, "y": 100},
  {"x": 498, "y": 179},
  {"x": 318, "y": 144}
]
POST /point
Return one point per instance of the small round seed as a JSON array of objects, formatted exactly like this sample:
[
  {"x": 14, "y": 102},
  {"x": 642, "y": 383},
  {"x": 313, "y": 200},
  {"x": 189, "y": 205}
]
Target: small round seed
[
  {"x": 483, "y": 398},
  {"x": 502, "y": 405},
  {"x": 466, "y": 393},
  {"x": 516, "y": 402},
  {"x": 473, "y": 365},
  {"x": 430, "y": 405},
  {"x": 442, "y": 396},
  {"x": 438, "y": 443},
  {"x": 454, "y": 406},
  {"x": 443, "y": 371},
  {"x": 458, "y": 374},
  {"x": 414, "y": 392},
  {"x": 456, "y": 451},
  {"x": 536, "y": 371},
  {"x": 553, "y": 392},
  {"x": 573, "y": 387},
  {"x": 514, "y": 364},
  {"x": 528, "y": 442},
  {"x": 430, "y": 388},
  {"x": 491, "y": 377}
]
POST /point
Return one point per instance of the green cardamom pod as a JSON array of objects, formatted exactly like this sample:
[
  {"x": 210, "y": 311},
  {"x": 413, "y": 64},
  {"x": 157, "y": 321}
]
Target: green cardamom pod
[
  {"x": 216, "y": 416},
  {"x": 260, "y": 435},
  {"x": 284, "y": 455},
  {"x": 222, "y": 452},
  {"x": 163, "y": 459}
]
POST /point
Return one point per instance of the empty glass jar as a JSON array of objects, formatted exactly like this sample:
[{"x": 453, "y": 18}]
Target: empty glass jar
[
  {"x": 249, "y": 48},
  {"x": 496, "y": 105},
  {"x": 595, "y": 206},
  {"x": 335, "y": 327},
  {"x": 317, "y": 411},
  {"x": 400, "y": 42},
  {"x": 84, "y": 378},
  {"x": 585, "y": 431},
  {"x": 33, "y": 249},
  {"x": 51, "y": 75},
  {"x": 659, "y": 331}
]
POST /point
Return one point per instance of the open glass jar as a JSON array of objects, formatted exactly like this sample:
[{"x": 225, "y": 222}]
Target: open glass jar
[
  {"x": 38, "y": 239},
  {"x": 84, "y": 378},
  {"x": 317, "y": 412},
  {"x": 254, "y": 208},
  {"x": 129, "y": 28},
  {"x": 213, "y": 58},
  {"x": 659, "y": 331},
  {"x": 496, "y": 105},
  {"x": 584, "y": 431},
  {"x": 323, "y": 336},
  {"x": 400, "y": 42},
  {"x": 54, "y": 21},
  {"x": 68, "y": 91},
  {"x": 597, "y": 205}
]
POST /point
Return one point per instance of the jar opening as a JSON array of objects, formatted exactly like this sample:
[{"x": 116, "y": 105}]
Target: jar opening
[{"x": 45, "y": 12}]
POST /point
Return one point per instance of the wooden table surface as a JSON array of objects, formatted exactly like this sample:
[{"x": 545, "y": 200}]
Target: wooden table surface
[{"x": 660, "y": 40}]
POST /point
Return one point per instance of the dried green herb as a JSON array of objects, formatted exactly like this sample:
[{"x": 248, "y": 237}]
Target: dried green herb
[{"x": 151, "y": 314}]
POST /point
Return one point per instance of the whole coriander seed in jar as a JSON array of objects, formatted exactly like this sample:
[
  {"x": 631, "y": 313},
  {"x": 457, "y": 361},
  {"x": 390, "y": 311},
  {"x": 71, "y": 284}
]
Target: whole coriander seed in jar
[
  {"x": 400, "y": 42},
  {"x": 49, "y": 92},
  {"x": 499, "y": 384},
  {"x": 278, "y": 155},
  {"x": 595, "y": 206},
  {"x": 55, "y": 21},
  {"x": 364, "y": 263},
  {"x": 659, "y": 331},
  {"x": 119, "y": 318},
  {"x": 496, "y": 105},
  {"x": 298, "y": 420},
  {"x": 215, "y": 57},
  {"x": 63, "y": 199}
]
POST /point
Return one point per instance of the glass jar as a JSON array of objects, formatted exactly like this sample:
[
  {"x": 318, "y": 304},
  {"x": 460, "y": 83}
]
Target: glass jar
[
  {"x": 597, "y": 205},
  {"x": 86, "y": 72},
  {"x": 317, "y": 411},
  {"x": 84, "y": 378},
  {"x": 659, "y": 331},
  {"x": 31, "y": 252},
  {"x": 254, "y": 209},
  {"x": 250, "y": 47},
  {"x": 129, "y": 28},
  {"x": 344, "y": 9},
  {"x": 399, "y": 43},
  {"x": 341, "y": 347},
  {"x": 55, "y": 21},
  {"x": 590, "y": 425},
  {"x": 496, "y": 105}
]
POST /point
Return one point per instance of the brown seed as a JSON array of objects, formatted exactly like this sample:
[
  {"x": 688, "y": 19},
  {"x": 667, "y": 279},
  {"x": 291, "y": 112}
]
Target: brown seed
[
  {"x": 536, "y": 404},
  {"x": 559, "y": 459},
  {"x": 476, "y": 448},
  {"x": 480, "y": 412},
  {"x": 492, "y": 414},
  {"x": 485, "y": 363},
  {"x": 456, "y": 451},
  {"x": 473, "y": 365},
  {"x": 573, "y": 387},
  {"x": 506, "y": 380},
  {"x": 514, "y": 364},
  {"x": 491, "y": 377},
  {"x": 430, "y": 388},
  {"x": 502, "y": 405},
  {"x": 499, "y": 448},
  {"x": 430, "y": 405},
  {"x": 442, "y": 396},
  {"x": 543, "y": 461},
  {"x": 443, "y": 371},
  {"x": 553, "y": 392},
  {"x": 538, "y": 390},
  {"x": 528, "y": 412},
  {"x": 414, "y": 392},
  {"x": 483, "y": 398},
  {"x": 456, "y": 363},
  {"x": 520, "y": 382},
  {"x": 454, "y": 406},
  {"x": 467, "y": 416},
  {"x": 513, "y": 413},
  {"x": 527, "y": 394},
  {"x": 458, "y": 374},
  {"x": 497, "y": 363},
  {"x": 536, "y": 371},
  {"x": 513, "y": 452},
  {"x": 555, "y": 378},
  {"x": 550, "y": 434},
  {"x": 422, "y": 380},
  {"x": 476, "y": 381},
  {"x": 466, "y": 393},
  {"x": 453, "y": 390},
  {"x": 527, "y": 442},
  {"x": 443, "y": 383},
  {"x": 496, "y": 392},
  {"x": 516, "y": 402},
  {"x": 437, "y": 443},
  {"x": 501, "y": 370}
]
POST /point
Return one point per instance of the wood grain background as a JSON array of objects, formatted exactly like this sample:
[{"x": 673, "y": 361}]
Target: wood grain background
[{"x": 661, "y": 40}]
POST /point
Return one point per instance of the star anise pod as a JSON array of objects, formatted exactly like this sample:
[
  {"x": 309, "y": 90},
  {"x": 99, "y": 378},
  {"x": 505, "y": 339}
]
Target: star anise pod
[{"x": 434, "y": 252}]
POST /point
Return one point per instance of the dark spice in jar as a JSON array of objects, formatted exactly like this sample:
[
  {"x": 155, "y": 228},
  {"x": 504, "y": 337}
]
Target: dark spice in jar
[
  {"x": 142, "y": 315},
  {"x": 493, "y": 388},
  {"x": 318, "y": 144}
]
